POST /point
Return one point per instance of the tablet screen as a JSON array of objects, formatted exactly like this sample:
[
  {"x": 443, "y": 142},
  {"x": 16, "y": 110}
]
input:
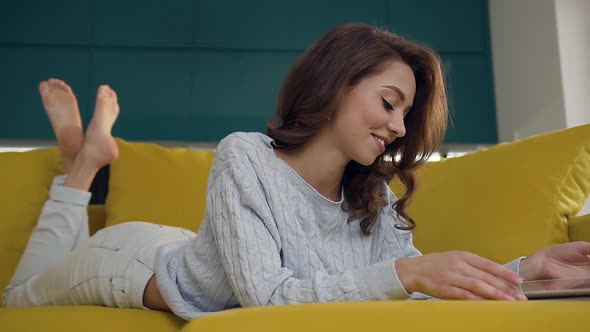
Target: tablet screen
[{"x": 556, "y": 288}]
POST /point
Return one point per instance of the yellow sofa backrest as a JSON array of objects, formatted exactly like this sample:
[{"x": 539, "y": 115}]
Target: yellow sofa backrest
[
  {"x": 25, "y": 178},
  {"x": 500, "y": 203},
  {"x": 511, "y": 199}
]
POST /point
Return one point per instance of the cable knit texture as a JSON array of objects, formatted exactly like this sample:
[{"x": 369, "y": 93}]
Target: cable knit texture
[{"x": 270, "y": 238}]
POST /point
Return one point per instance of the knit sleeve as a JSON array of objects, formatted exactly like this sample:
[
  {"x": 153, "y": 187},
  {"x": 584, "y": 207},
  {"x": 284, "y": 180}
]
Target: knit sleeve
[
  {"x": 243, "y": 228},
  {"x": 515, "y": 264}
]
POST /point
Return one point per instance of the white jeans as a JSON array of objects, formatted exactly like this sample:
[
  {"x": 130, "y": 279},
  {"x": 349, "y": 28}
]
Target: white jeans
[{"x": 63, "y": 266}]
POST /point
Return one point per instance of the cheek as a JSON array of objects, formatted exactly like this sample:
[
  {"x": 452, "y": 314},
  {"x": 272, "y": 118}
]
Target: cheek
[
  {"x": 350, "y": 123},
  {"x": 357, "y": 118}
]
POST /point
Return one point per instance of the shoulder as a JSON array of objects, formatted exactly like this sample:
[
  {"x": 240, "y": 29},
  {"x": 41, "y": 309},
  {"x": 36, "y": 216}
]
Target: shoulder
[
  {"x": 241, "y": 151},
  {"x": 239, "y": 143},
  {"x": 242, "y": 140}
]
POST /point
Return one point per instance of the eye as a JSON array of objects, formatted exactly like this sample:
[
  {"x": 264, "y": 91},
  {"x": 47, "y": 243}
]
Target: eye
[{"x": 387, "y": 104}]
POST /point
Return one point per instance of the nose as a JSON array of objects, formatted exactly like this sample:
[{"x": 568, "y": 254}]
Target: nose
[{"x": 396, "y": 124}]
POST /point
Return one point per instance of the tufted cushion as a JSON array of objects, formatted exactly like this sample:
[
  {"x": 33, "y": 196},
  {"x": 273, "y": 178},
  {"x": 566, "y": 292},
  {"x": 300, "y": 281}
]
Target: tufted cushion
[
  {"x": 152, "y": 183},
  {"x": 26, "y": 178}
]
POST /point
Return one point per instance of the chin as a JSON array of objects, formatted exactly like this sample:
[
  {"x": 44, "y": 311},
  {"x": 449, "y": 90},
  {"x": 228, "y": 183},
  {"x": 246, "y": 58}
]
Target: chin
[{"x": 367, "y": 160}]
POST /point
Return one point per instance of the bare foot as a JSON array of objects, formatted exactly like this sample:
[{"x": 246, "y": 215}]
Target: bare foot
[
  {"x": 62, "y": 108},
  {"x": 99, "y": 146}
]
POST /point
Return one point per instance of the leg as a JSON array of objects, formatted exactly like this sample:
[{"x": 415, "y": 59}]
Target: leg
[
  {"x": 112, "y": 268},
  {"x": 63, "y": 223}
]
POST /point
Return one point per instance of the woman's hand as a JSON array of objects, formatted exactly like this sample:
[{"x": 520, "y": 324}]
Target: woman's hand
[
  {"x": 458, "y": 275},
  {"x": 568, "y": 260}
]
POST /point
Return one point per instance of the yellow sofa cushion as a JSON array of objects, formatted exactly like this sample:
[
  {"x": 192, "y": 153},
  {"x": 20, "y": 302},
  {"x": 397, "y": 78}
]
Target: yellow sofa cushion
[
  {"x": 579, "y": 228},
  {"x": 25, "y": 178},
  {"x": 509, "y": 200},
  {"x": 162, "y": 185},
  {"x": 426, "y": 316},
  {"x": 88, "y": 319}
]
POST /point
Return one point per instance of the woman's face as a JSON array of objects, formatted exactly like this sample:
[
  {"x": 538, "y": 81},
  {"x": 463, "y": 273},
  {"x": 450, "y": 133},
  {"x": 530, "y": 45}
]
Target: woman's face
[{"x": 371, "y": 114}]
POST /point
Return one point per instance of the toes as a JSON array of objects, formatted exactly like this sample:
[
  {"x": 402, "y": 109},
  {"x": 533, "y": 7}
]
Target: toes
[
  {"x": 104, "y": 97},
  {"x": 43, "y": 88},
  {"x": 114, "y": 95},
  {"x": 52, "y": 82},
  {"x": 65, "y": 86},
  {"x": 61, "y": 84},
  {"x": 103, "y": 90},
  {"x": 106, "y": 91},
  {"x": 55, "y": 83}
]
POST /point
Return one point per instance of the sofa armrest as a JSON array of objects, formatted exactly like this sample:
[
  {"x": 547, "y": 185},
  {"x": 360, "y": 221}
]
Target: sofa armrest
[{"x": 579, "y": 228}]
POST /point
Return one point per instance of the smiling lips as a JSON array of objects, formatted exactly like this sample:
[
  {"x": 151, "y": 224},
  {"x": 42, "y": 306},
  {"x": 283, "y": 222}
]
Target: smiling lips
[{"x": 380, "y": 141}]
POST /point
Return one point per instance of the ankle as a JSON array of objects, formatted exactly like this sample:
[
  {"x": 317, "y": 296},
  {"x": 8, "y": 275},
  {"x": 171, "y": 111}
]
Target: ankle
[
  {"x": 82, "y": 173},
  {"x": 66, "y": 165}
]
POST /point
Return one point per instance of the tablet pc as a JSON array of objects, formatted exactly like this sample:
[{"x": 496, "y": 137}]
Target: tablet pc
[{"x": 556, "y": 288}]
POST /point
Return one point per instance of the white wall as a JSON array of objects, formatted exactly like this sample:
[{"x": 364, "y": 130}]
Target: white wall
[
  {"x": 540, "y": 52},
  {"x": 573, "y": 32},
  {"x": 541, "y": 57},
  {"x": 527, "y": 78}
]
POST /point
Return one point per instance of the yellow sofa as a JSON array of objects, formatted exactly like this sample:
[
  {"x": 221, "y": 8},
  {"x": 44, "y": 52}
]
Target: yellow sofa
[{"x": 501, "y": 203}]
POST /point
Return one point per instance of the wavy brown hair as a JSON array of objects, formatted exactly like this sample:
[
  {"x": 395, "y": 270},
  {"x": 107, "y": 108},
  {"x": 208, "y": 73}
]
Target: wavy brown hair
[{"x": 311, "y": 94}]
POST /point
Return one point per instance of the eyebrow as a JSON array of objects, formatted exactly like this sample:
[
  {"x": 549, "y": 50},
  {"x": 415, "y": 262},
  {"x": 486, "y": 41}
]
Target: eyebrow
[{"x": 396, "y": 89}]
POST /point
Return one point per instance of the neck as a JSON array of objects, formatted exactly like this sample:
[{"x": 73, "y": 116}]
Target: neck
[{"x": 320, "y": 164}]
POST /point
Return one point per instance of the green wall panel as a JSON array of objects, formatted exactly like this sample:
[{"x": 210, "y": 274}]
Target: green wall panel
[
  {"x": 241, "y": 24},
  {"x": 447, "y": 26},
  {"x": 154, "y": 92},
  {"x": 312, "y": 18},
  {"x": 279, "y": 24},
  {"x": 46, "y": 22},
  {"x": 240, "y": 97},
  {"x": 471, "y": 101},
  {"x": 197, "y": 70},
  {"x": 144, "y": 23},
  {"x": 22, "y": 69}
]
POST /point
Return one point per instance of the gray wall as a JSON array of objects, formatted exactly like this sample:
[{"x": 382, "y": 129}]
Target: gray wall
[{"x": 541, "y": 65}]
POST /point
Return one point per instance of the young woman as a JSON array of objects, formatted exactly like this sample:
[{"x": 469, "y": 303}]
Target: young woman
[{"x": 302, "y": 214}]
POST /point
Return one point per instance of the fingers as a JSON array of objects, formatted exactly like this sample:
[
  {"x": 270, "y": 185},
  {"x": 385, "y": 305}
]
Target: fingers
[
  {"x": 494, "y": 269},
  {"x": 473, "y": 293},
  {"x": 489, "y": 286},
  {"x": 489, "y": 279},
  {"x": 460, "y": 275},
  {"x": 583, "y": 247},
  {"x": 457, "y": 293}
]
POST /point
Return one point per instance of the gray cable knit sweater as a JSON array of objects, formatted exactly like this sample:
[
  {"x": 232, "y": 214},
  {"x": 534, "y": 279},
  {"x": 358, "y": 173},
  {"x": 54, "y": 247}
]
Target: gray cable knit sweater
[{"x": 270, "y": 238}]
